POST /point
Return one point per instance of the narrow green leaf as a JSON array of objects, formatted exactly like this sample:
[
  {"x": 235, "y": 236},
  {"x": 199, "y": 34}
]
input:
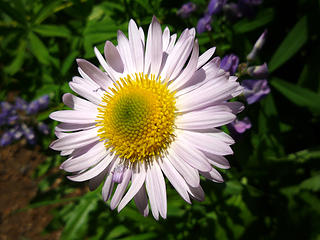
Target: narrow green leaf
[
  {"x": 290, "y": 45},
  {"x": 47, "y": 30},
  {"x": 77, "y": 223},
  {"x": 19, "y": 59},
  {"x": 46, "y": 11},
  {"x": 298, "y": 95},
  {"x": 247, "y": 25},
  {"x": 67, "y": 63},
  {"x": 117, "y": 232},
  {"x": 38, "y": 49}
]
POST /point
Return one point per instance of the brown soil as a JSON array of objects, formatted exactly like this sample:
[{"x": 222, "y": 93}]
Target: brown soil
[{"x": 17, "y": 189}]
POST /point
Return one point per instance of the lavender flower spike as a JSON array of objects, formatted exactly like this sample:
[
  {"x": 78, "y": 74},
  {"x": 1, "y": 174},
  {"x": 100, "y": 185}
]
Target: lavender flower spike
[
  {"x": 258, "y": 72},
  {"x": 257, "y": 46},
  {"x": 186, "y": 9},
  {"x": 6, "y": 139},
  {"x": 255, "y": 90},
  {"x": 204, "y": 24},
  {"x": 230, "y": 63},
  {"x": 215, "y": 6}
]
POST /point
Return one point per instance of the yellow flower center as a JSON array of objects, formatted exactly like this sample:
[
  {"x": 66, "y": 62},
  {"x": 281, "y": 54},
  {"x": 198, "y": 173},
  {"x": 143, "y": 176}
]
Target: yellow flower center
[{"x": 136, "y": 118}]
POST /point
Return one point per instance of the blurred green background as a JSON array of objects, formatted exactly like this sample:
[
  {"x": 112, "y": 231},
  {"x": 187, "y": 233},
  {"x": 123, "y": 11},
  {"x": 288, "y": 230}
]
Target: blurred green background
[{"x": 272, "y": 188}]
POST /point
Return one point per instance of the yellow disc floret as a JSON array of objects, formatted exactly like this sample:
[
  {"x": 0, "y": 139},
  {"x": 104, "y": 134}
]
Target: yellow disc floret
[{"x": 136, "y": 118}]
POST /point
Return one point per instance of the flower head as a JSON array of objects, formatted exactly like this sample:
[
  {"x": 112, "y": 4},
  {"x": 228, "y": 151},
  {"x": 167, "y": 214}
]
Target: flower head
[
  {"x": 153, "y": 112},
  {"x": 257, "y": 46},
  {"x": 186, "y": 9},
  {"x": 258, "y": 72},
  {"x": 255, "y": 90}
]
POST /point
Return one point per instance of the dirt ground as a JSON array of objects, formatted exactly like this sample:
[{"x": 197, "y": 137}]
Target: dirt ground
[{"x": 17, "y": 189}]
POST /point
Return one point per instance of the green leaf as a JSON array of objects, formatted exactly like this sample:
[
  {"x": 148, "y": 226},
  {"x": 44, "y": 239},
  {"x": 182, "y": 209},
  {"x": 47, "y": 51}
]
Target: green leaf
[
  {"x": 52, "y": 31},
  {"x": 290, "y": 45},
  {"x": 19, "y": 59},
  {"x": 38, "y": 49},
  {"x": 46, "y": 11},
  {"x": 77, "y": 222},
  {"x": 117, "y": 232},
  {"x": 12, "y": 12},
  {"x": 247, "y": 25},
  {"x": 298, "y": 95}
]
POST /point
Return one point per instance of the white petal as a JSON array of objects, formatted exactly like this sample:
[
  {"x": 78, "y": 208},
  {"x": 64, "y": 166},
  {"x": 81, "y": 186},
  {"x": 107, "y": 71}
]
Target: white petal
[
  {"x": 86, "y": 160},
  {"x": 205, "y": 57},
  {"x": 208, "y": 142},
  {"x": 165, "y": 38},
  {"x": 108, "y": 184},
  {"x": 125, "y": 52},
  {"x": 152, "y": 193},
  {"x": 236, "y": 107},
  {"x": 141, "y": 201},
  {"x": 75, "y": 140},
  {"x": 138, "y": 178},
  {"x": 136, "y": 46},
  {"x": 175, "y": 179},
  {"x": 92, "y": 172},
  {"x": 94, "y": 73},
  {"x": 73, "y": 116},
  {"x": 189, "y": 70},
  {"x": 114, "y": 75},
  {"x": 160, "y": 189},
  {"x": 206, "y": 118},
  {"x": 191, "y": 155},
  {"x": 77, "y": 103},
  {"x": 213, "y": 175},
  {"x": 156, "y": 50},
  {"x": 85, "y": 92},
  {"x": 147, "y": 60},
  {"x": 68, "y": 127},
  {"x": 113, "y": 57},
  {"x": 142, "y": 35},
  {"x": 121, "y": 188},
  {"x": 187, "y": 172},
  {"x": 218, "y": 161},
  {"x": 171, "y": 43}
]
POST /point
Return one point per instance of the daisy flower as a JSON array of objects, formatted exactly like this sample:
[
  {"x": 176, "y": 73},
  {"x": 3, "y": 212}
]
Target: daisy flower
[{"x": 153, "y": 113}]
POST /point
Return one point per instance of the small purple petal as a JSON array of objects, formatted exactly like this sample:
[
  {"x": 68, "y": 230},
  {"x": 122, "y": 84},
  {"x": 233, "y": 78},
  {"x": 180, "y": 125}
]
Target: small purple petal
[
  {"x": 204, "y": 24},
  {"x": 230, "y": 63},
  {"x": 43, "y": 102},
  {"x": 255, "y": 90},
  {"x": 12, "y": 120},
  {"x": 240, "y": 126},
  {"x": 257, "y": 46},
  {"x": 33, "y": 107},
  {"x": 29, "y": 134},
  {"x": 43, "y": 128},
  {"x": 215, "y": 6},
  {"x": 186, "y": 9},
  {"x": 258, "y": 72},
  {"x": 20, "y": 104},
  {"x": 6, "y": 107},
  {"x": 6, "y": 139},
  {"x": 118, "y": 174}
]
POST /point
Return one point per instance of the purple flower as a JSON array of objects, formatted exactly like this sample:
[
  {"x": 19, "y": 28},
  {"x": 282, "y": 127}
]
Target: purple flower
[
  {"x": 20, "y": 104},
  {"x": 39, "y": 104},
  {"x": 204, "y": 24},
  {"x": 240, "y": 126},
  {"x": 186, "y": 9},
  {"x": 255, "y": 90},
  {"x": 6, "y": 139},
  {"x": 230, "y": 63},
  {"x": 12, "y": 119},
  {"x": 258, "y": 72},
  {"x": 43, "y": 128},
  {"x": 215, "y": 6},
  {"x": 257, "y": 46},
  {"x": 29, "y": 134}
]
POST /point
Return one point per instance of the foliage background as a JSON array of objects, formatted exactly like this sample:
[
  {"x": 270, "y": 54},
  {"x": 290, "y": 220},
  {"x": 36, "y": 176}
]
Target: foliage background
[{"x": 272, "y": 189}]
